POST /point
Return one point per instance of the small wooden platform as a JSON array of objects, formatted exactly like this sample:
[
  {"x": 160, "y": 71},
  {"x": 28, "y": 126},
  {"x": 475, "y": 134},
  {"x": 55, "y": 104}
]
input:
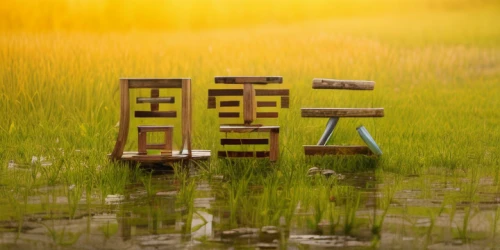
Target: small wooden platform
[{"x": 133, "y": 156}]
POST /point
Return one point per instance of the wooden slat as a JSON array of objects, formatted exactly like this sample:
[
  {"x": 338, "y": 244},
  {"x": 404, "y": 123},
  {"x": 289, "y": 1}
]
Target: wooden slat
[
  {"x": 248, "y": 79},
  {"x": 248, "y": 129},
  {"x": 153, "y": 128},
  {"x": 155, "y": 83},
  {"x": 227, "y": 141},
  {"x": 274, "y": 145},
  {"x": 212, "y": 103},
  {"x": 257, "y": 154},
  {"x": 285, "y": 102},
  {"x": 124, "y": 120},
  {"x": 336, "y": 150},
  {"x": 229, "y": 114},
  {"x": 156, "y": 146},
  {"x": 149, "y": 114},
  {"x": 186, "y": 117},
  {"x": 225, "y": 92},
  {"x": 266, "y": 104},
  {"x": 267, "y": 114},
  {"x": 319, "y": 83},
  {"x": 272, "y": 92},
  {"x": 155, "y": 93},
  {"x": 342, "y": 112},
  {"x": 170, "y": 99},
  {"x": 230, "y": 103},
  {"x": 248, "y": 104}
]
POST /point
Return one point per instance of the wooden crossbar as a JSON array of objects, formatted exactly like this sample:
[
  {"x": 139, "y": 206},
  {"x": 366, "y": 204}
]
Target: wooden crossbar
[
  {"x": 225, "y": 92},
  {"x": 247, "y": 129},
  {"x": 272, "y": 92},
  {"x": 230, "y": 103},
  {"x": 320, "y": 83},
  {"x": 151, "y": 114},
  {"x": 155, "y": 83},
  {"x": 336, "y": 150},
  {"x": 170, "y": 99},
  {"x": 248, "y": 79},
  {"x": 266, "y": 104},
  {"x": 267, "y": 114},
  {"x": 229, "y": 114},
  {"x": 227, "y": 141},
  {"x": 258, "y": 154},
  {"x": 342, "y": 112}
]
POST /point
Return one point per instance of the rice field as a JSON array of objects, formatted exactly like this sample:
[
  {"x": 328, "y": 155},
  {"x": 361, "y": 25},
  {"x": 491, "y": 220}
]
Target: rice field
[{"x": 437, "y": 71}]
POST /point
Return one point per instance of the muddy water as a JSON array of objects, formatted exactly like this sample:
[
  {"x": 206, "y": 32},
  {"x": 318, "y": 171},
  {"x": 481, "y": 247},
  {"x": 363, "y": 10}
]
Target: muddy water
[{"x": 413, "y": 213}]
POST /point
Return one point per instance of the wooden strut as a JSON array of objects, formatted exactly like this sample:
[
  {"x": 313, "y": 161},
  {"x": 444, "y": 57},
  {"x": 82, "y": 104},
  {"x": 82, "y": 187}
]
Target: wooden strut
[{"x": 124, "y": 120}]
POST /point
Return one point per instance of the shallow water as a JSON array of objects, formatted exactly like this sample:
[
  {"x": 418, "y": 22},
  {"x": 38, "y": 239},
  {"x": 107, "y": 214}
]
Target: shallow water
[{"x": 417, "y": 212}]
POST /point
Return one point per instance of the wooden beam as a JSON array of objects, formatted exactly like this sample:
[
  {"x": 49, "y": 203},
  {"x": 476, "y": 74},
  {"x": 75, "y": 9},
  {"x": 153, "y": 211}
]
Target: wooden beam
[
  {"x": 225, "y": 92},
  {"x": 320, "y": 83},
  {"x": 274, "y": 145},
  {"x": 229, "y": 114},
  {"x": 149, "y": 114},
  {"x": 170, "y": 99},
  {"x": 226, "y": 141},
  {"x": 336, "y": 150},
  {"x": 248, "y": 104},
  {"x": 272, "y": 92},
  {"x": 248, "y": 129},
  {"x": 186, "y": 117},
  {"x": 154, "y": 128},
  {"x": 342, "y": 112},
  {"x": 248, "y": 79},
  {"x": 155, "y": 83},
  {"x": 212, "y": 102},
  {"x": 155, "y": 93},
  {"x": 267, "y": 114},
  {"x": 257, "y": 154},
  {"x": 230, "y": 103},
  {"x": 266, "y": 104},
  {"x": 124, "y": 120}
]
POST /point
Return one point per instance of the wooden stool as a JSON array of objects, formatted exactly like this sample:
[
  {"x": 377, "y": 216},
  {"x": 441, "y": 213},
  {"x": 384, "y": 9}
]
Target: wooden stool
[{"x": 165, "y": 148}]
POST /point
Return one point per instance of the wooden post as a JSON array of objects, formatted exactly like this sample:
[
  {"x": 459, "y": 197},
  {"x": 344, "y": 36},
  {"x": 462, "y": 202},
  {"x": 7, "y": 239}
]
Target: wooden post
[
  {"x": 143, "y": 142},
  {"x": 155, "y": 93},
  {"x": 248, "y": 103},
  {"x": 124, "y": 120},
  {"x": 274, "y": 144},
  {"x": 169, "y": 137},
  {"x": 186, "y": 116}
]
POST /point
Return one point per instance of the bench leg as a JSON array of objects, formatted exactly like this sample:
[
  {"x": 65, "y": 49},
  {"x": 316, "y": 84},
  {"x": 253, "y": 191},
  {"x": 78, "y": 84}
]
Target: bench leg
[
  {"x": 142, "y": 143},
  {"x": 274, "y": 145},
  {"x": 169, "y": 132}
]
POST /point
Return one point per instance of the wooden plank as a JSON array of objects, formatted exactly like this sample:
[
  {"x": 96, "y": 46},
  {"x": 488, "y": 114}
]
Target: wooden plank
[
  {"x": 248, "y": 79},
  {"x": 212, "y": 103},
  {"x": 257, "y": 154},
  {"x": 230, "y": 103},
  {"x": 155, "y": 83},
  {"x": 266, "y": 104},
  {"x": 342, "y": 112},
  {"x": 229, "y": 114},
  {"x": 124, "y": 120},
  {"x": 248, "y": 129},
  {"x": 272, "y": 92},
  {"x": 336, "y": 150},
  {"x": 149, "y": 114},
  {"x": 169, "y": 137},
  {"x": 169, "y": 99},
  {"x": 274, "y": 146},
  {"x": 248, "y": 104},
  {"x": 155, "y": 93},
  {"x": 267, "y": 114},
  {"x": 142, "y": 143},
  {"x": 227, "y": 141},
  {"x": 154, "y": 128},
  {"x": 320, "y": 83},
  {"x": 225, "y": 92},
  {"x": 186, "y": 117},
  {"x": 285, "y": 102},
  {"x": 156, "y": 146}
]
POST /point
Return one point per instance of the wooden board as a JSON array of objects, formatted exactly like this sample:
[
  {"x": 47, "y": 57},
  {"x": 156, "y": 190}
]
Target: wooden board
[
  {"x": 229, "y": 114},
  {"x": 342, "y": 112},
  {"x": 336, "y": 150},
  {"x": 320, "y": 83},
  {"x": 257, "y": 154},
  {"x": 225, "y": 92},
  {"x": 248, "y": 104},
  {"x": 267, "y": 114},
  {"x": 266, "y": 104},
  {"x": 248, "y": 129},
  {"x": 226, "y": 141},
  {"x": 169, "y": 99},
  {"x": 230, "y": 103},
  {"x": 155, "y": 83},
  {"x": 149, "y": 114},
  {"x": 248, "y": 79},
  {"x": 274, "y": 145},
  {"x": 272, "y": 92},
  {"x": 154, "y": 128}
]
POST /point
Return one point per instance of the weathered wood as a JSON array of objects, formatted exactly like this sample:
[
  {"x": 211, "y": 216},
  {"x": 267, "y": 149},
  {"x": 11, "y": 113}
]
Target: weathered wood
[
  {"x": 187, "y": 116},
  {"x": 285, "y": 102},
  {"x": 155, "y": 93},
  {"x": 154, "y": 128},
  {"x": 272, "y": 92},
  {"x": 149, "y": 114},
  {"x": 266, "y": 104},
  {"x": 124, "y": 120},
  {"x": 225, "y": 92},
  {"x": 229, "y": 114},
  {"x": 319, "y": 83},
  {"x": 248, "y": 129},
  {"x": 336, "y": 150},
  {"x": 170, "y": 99},
  {"x": 226, "y": 141},
  {"x": 212, "y": 103},
  {"x": 257, "y": 154},
  {"x": 274, "y": 145},
  {"x": 267, "y": 114},
  {"x": 248, "y": 104},
  {"x": 230, "y": 103},
  {"x": 155, "y": 83},
  {"x": 248, "y": 79},
  {"x": 342, "y": 112}
]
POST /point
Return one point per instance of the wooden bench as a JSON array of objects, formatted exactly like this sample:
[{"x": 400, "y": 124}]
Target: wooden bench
[
  {"x": 167, "y": 153},
  {"x": 334, "y": 114},
  {"x": 249, "y": 108}
]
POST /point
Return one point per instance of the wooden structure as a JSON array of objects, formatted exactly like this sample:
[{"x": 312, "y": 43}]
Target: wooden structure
[
  {"x": 167, "y": 154},
  {"x": 334, "y": 114},
  {"x": 250, "y": 112}
]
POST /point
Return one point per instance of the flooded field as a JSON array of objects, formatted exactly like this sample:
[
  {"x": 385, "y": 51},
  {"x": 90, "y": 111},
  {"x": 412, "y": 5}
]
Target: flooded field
[{"x": 373, "y": 210}]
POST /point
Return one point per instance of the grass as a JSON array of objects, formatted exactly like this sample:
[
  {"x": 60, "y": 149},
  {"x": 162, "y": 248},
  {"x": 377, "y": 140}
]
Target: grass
[{"x": 436, "y": 70}]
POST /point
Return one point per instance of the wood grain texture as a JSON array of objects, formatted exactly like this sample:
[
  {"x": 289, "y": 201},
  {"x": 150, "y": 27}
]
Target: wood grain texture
[
  {"x": 149, "y": 114},
  {"x": 229, "y": 114},
  {"x": 226, "y": 141},
  {"x": 169, "y": 99},
  {"x": 124, "y": 120},
  {"x": 235, "y": 154},
  {"x": 342, "y": 112},
  {"x": 272, "y": 92},
  {"x": 248, "y": 129},
  {"x": 155, "y": 83},
  {"x": 225, "y": 92},
  {"x": 142, "y": 141},
  {"x": 336, "y": 150},
  {"x": 212, "y": 102},
  {"x": 267, "y": 114},
  {"x": 285, "y": 102},
  {"x": 320, "y": 83},
  {"x": 230, "y": 103},
  {"x": 187, "y": 116},
  {"x": 266, "y": 104},
  {"x": 274, "y": 145},
  {"x": 248, "y": 104},
  {"x": 248, "y": 79}
]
